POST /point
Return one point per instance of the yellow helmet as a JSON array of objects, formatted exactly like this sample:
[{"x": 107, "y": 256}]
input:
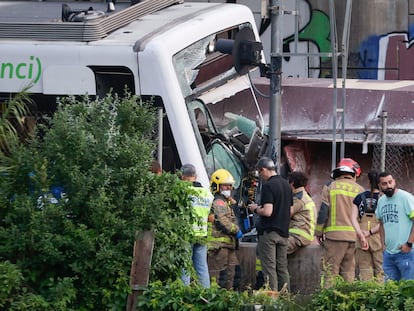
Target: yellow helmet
[{"x": 220, "y": 177}]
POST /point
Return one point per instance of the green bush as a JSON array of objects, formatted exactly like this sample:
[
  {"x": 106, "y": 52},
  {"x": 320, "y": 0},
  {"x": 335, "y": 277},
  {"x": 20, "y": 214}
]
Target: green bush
[
  {"x": 75, "y": 253},
  {"x": 10, "y": 280},
  {"x": 176, "y": 296},
  {"x": 359, "y": 295}
]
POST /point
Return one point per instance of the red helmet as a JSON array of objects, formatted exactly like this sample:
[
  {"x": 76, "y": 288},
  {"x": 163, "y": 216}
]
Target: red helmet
[{"x": 351, "y": 164}]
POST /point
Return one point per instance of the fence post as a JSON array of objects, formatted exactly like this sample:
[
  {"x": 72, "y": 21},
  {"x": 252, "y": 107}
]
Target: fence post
[
  {"x": 384, "y": 139},
  {"x": 140, "y": 268}
]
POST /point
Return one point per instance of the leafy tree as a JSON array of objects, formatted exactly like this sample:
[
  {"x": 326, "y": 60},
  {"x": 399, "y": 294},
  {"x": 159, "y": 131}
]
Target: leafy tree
[
  {"x": 13, "y": 116},
  {"x": 71, "y": 206}
]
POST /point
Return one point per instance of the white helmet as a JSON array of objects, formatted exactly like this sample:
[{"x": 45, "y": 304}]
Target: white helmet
[{"x": 342, "y": 170}]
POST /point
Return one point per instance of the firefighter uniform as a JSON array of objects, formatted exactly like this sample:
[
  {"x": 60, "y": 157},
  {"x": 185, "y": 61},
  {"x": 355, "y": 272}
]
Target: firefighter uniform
[
  {"x": 334, "y": 220},
  {"x": 302, "y": 222},
  {"x": 222, "y": 243},
  {"x": 369, "y": 262}
]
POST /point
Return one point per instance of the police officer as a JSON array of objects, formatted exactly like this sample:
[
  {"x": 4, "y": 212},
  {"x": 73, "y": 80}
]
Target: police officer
[{"x": 223, "y": 232}]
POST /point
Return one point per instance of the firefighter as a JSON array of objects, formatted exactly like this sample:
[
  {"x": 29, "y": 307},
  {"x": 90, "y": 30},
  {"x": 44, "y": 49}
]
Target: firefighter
[
  {"x": 334, "y": 228},
  {"x": 223, "y": 233},
  {"x": 368, "y": 254},
  {"x": 302, "y": 213}
]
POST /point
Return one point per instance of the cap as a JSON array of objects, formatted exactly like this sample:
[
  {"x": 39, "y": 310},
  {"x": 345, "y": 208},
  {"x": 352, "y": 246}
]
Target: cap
[
  {"x": 188, "y": 170},
  {"x": 266, "y": 162}
]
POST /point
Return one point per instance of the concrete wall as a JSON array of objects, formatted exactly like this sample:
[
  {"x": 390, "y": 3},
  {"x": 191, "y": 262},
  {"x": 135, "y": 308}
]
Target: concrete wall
[{"x": 304, "y": 268}]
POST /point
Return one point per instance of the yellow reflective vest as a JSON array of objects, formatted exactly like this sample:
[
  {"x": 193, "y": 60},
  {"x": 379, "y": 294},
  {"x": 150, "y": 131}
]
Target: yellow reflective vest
[{"x": 201, "y": 204}]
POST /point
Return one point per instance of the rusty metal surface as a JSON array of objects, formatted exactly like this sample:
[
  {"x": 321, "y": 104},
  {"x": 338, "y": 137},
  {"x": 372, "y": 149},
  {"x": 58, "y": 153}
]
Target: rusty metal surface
[
  {"x": 307, "y": 122},
  {"x": 307, "y": 109}
]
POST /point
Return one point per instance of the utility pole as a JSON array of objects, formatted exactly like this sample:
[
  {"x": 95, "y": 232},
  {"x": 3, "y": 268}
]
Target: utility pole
[
  {"x": 276, "y": 46},
  {"x": 277, "y": 11},
  {"x": 336, "y": 111}
]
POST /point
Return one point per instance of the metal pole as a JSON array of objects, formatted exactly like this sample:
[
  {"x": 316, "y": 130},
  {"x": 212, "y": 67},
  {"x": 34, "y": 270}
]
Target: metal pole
[
  {"x": 345, "y": 43},
  {"x": 160, "y": 134},
  {"x": 334, "y": 47},
  {"x": 276, "y": 42},
  {"x": 383, "y": 139},
  {"x": 296, "y": 26}
]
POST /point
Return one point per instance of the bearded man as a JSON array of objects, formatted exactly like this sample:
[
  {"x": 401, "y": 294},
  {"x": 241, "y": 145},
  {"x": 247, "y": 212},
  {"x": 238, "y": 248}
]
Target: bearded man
[{"x": 395, "y": 211}]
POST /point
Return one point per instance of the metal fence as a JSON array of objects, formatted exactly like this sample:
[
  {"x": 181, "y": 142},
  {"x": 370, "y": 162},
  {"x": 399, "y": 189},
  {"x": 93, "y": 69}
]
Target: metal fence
[{"x": 399, "y": 161}]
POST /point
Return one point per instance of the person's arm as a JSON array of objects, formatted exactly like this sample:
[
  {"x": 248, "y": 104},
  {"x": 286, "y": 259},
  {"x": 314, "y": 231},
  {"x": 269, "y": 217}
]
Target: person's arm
[
  {"x": 265, "y": 210},
  {"x": 222, "y": 221},
  {"x": 359, "y": 232},
  {"x": 382, "y": 234},
  {"x": 374, "y": 230},
  {"x": 405, "y": 247},
  {"x": 323, "y": 214}
]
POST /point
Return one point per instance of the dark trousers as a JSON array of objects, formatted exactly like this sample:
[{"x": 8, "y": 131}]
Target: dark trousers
[{"x": 272, "y": 250}]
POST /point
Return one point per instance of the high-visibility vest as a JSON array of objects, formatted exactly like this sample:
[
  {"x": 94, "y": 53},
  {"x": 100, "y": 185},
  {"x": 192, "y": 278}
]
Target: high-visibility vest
[{"x": 201, "y": 204}]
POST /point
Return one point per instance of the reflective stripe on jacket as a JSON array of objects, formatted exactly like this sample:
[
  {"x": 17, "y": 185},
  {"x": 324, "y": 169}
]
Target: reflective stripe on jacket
[
  {"x": 221, "y": 232},
  {"x": 202, "y": 205},
  {"x": 303, "y": 218},
  {"x": 338, "y": 198}
]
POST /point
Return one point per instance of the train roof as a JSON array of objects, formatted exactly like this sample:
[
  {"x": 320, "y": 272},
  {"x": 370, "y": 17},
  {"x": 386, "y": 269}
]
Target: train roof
[{"x": 91, "y": 21}]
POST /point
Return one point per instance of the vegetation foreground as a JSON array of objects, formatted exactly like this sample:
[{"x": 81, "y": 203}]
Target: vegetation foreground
[{"x": 75, "y": 192}]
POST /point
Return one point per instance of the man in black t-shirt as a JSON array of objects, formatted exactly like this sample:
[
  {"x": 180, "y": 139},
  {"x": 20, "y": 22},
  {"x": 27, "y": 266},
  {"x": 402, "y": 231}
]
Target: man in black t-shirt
[{"x": 273, "y": 229}]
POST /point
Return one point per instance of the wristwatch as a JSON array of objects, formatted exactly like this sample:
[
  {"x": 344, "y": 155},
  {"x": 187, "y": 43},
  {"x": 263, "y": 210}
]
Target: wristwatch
[{"x": 409, "y": 244}]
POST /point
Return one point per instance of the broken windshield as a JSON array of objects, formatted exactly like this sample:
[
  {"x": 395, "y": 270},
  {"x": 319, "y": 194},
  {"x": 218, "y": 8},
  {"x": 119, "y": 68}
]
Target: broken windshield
[
  {"x": 225, "y": 120},
  {"x": 225, "y": 114}
]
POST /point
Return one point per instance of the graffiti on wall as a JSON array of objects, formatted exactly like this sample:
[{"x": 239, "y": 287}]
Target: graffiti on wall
[
  {"x": 378, "y": 56},
  {"x": 385, "y": 57},
  {"x": 313, "y": 37}
]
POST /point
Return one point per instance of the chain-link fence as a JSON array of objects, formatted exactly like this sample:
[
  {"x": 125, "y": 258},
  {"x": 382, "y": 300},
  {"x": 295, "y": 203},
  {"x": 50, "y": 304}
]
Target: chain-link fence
[{"x": 399, "y": 161}]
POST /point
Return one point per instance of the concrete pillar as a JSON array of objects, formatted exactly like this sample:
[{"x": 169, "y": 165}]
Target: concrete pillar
[
  {"x": 305, "y": 269},
  {"x": 247, "y": 260}
]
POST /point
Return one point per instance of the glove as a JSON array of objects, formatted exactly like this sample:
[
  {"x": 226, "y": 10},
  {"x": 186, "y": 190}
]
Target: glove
[{"x": 239, "y": 235}]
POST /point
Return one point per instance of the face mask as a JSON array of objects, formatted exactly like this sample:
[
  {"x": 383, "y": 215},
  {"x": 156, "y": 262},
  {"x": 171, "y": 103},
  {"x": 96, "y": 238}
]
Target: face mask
[
  {"x": 389, "y": 192},
  {"x": 226, "y": 193}
]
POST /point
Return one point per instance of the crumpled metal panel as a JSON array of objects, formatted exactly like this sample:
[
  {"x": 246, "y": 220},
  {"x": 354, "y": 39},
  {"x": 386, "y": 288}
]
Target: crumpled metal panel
[{"x": 307, "y": 109}]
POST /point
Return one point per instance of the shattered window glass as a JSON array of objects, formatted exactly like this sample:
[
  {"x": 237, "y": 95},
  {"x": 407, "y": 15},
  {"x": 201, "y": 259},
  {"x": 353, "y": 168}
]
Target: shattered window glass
[{"x": 186, "y": 63}]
